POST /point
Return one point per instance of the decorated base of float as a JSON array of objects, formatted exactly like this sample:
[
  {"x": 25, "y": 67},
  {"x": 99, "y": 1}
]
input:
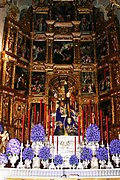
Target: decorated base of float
[{"x": 61, "y": 156}]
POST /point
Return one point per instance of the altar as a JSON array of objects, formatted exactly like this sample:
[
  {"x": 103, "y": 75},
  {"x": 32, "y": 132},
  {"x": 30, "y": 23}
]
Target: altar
[{"x": 38, "y": 174}]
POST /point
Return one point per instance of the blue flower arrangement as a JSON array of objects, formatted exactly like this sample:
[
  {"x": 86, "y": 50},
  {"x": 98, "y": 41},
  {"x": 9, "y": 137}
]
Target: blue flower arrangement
[
  {"x": 37, "y": 133},
  {"x": 102, "y": 153},
  {"x": 93, "y": 133},
  {"x": 86, "y": 154},
  {"x": 73, "y": 160},
  {"x": 3, "y": 158},
  {"x": 1, "y": 128},
  {"x": 13, "y": 147},
  {"x": 28, "y": 153},
  {"x": 44, "y": 153},
  {"x": 58, "y": 160},
  {"x": 115, "y": 146}
]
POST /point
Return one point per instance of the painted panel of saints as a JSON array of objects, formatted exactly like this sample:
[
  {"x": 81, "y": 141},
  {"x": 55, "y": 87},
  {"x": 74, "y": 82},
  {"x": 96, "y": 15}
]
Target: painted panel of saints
[
  {"x": 87, "y": 52},
  {"x": 21, "y": 79},
  {"x": 38, "y": 82},
  {"x": 86, "y": 22},
  {"x": 88, "y": 82},
  {"x": 39, "y": 51},
  {"x": 39, "y": 22},
  {"x": 63, "y": 52}
]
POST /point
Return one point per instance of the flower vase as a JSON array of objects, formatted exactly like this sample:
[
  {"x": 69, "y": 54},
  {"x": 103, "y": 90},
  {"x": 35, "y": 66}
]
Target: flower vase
[
  {"x": 116, "y": 160},
  {"x": 13, "y": 159},
  {"x": 36, "y": 162},
  {"x": 73, "y": 166},
  {"x": 80, "y": 165},
  {"x": 45, "y": 164},
  {"x": 85, "y": 164},
  {"x": 94, "y": 163},
  {"x": 27, "y": 163},
  {"x": 102, "y": 164}
]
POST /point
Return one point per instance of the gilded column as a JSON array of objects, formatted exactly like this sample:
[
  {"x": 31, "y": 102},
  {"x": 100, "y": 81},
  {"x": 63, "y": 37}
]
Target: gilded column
[
  {"x": 113, "y": 110},
  {"x": 1, "y": 100},
  {"x": 11, "y": 110}
]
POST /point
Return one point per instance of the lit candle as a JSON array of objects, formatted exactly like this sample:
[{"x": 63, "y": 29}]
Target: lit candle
[
  {"x": 29, "y": 124},
  {"x": 35, "y": 113},
  {"x": 107, "y": 129},
  {"x": 23, "y": 128},
  {"x": 86, "y": 115},
  {"x": 82, "y": 124},
  {"x": 40, "y": 118},
  {"x": 90, "y": 111},
  {"x": 57, "y": 144},
  {"x": 101, "y": 122},
  {"x": 79, "y": 129},
  {"x": 48, "y": 125},
  {"x": 45, "y": 116},
  {"x": 53, "y": 130},
  {"x": 75, "y": 144}
]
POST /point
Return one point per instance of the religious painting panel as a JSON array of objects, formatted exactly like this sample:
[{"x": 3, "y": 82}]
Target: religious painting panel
[
  {"x": 21, "y": 79},
  {"x": 103, "y": 80},
  {"x": 88, "y": 82},
  {"x": 101, "y": 47},
  {"x": 21, "y": 46},
  {"x": 11, "y": 40},
  {"x": 8, "y": 74},
  {"x": 38, "y": 83},
  {"x": 39, "y": 51},
  {"x": 87, "y": 52},
  {"x": 63, "y": 11},
  {"x": 63, "y": 52},
  {"x": 85, "y": 21},
  {"x": 40, "y": 25}
]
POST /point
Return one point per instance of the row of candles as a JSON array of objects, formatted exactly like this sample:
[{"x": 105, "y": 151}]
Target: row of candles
[{"x": 82, "y": 125}]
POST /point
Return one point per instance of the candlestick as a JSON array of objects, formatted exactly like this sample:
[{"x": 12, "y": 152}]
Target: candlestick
[
  {"x": 79, "y": 129},
  {"x": 49, "y": 125},
  {"x": 82, "y": 124},
  {"x": 75, "y": 144},
  {"x": 101, "y": 122},
  {"x": 53, "y": 130},
  {"x": 57, "y": 144},
  {"x": 86, "y": 115},
  {"x": 29, "y": 124},
  {"x": 90, "y": 111},
  {"x": 107, "y": 128},
  {"x": 23, "y": 128},
  {"x": 40, "y": 117},
  {"x": 35, "y": 114},
  {"x": 45, "y": 117}
]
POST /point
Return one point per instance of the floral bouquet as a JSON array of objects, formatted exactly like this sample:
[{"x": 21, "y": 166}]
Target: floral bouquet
[
  {"x": 58, "y": 160},
  {"x": 93, "y": 133},
  {"x": 44, "y": 153},
  {"x": 1, "y": 128},
  {"x": 28, "y": 153},
  {"x": 37, "y": 133},
  {"x": 102, "y": 153},
  {"x": 3, "y": 159},
  {"x": 73, "y": 160},
  {"x": 13, "y": 147},
  {"x": 115, "y": 147},
  {"x": 86, "y": 154}
]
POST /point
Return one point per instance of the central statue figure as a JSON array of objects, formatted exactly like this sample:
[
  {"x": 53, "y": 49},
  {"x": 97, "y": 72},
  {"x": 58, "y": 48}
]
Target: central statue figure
[{"x": 66, "y": 122}]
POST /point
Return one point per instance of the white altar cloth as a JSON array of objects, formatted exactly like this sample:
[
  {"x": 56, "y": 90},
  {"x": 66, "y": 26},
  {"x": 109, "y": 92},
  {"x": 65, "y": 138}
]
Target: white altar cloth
[{"x": 75, "y": 173}]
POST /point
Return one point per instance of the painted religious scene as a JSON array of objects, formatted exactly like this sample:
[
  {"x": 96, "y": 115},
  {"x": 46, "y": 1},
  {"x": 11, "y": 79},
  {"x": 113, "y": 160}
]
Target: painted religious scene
[
  {"x": 39, "y": 51},
  {"x": 63, "y": 52}
]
